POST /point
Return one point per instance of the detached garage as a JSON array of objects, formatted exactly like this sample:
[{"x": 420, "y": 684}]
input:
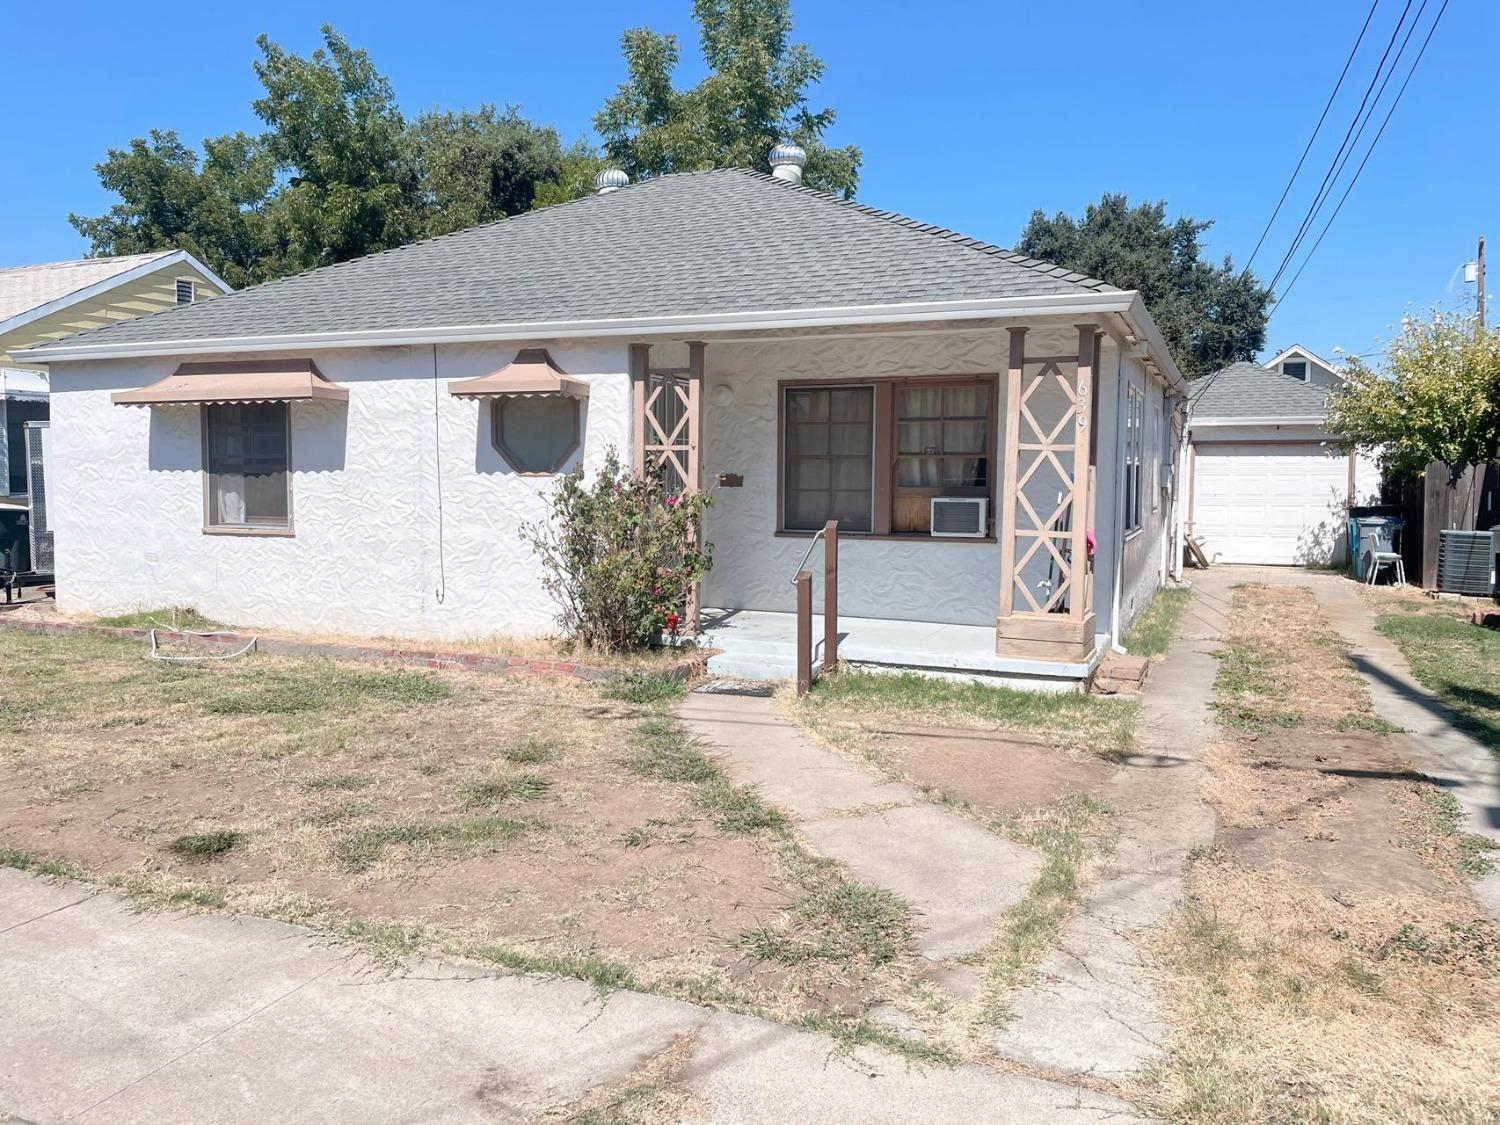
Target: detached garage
[{"x": 1265, "y": 481}]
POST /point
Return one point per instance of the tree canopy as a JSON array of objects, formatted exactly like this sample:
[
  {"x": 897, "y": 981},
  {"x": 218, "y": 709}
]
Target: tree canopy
[
  {"x": 1437, "y": 398},
  {"x": 337, "y": 173},
  {"x": 1210, "y": 315},
  {"x": 754, "y": 96}
]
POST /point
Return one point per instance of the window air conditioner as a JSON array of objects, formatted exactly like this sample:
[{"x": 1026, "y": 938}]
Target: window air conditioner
[{"x": 959, "y": 517}]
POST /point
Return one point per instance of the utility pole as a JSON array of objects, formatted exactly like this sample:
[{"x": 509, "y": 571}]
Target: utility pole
[{"x": 1479, "y": 269}]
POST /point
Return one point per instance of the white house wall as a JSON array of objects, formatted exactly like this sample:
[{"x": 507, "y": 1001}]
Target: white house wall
[
  {"x": 382, "y": 549},
  {"x": 949, "y": 581},
  {"x": 379, "y": 548},
  {"x": 1144, "y": 552}
]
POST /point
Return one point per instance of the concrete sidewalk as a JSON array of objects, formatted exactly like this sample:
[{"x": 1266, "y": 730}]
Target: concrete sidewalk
[
  {"x": 958, "y": 876},
  {"x": 112, "y": 1016}
]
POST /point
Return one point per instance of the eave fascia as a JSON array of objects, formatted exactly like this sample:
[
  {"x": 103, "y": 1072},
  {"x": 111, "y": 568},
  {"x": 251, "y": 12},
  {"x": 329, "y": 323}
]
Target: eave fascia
[{"x": 1070, "y": 304}]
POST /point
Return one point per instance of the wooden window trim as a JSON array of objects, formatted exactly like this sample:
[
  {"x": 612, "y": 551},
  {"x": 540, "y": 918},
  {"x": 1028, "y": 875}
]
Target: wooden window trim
[
  {"x": 499, "y": 403},
  {"x": 884, "y": 492},
  {"x": 287, "y": 532}
]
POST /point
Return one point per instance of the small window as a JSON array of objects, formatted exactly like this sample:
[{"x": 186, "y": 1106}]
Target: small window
[
  {"x": 1135, "y": 416},
  {"x": 942, "y": 438},
  {"x": 829, "y": 452},
  {"x": 247, "y": 455},
  {"x": 187, "y": 291},
  {"x": 1296, "y": 368},
  {"x": 536, "y": 433}
]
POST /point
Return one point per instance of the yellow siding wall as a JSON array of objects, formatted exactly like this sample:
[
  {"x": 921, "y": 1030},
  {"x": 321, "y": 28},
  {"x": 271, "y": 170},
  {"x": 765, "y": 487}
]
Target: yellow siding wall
[{"x": 154, "y": 293}]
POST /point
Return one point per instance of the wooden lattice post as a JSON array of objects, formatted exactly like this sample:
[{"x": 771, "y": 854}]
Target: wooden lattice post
[
  {"x": 1039, "y": 531},
  {"x": 667, "y": 430}
]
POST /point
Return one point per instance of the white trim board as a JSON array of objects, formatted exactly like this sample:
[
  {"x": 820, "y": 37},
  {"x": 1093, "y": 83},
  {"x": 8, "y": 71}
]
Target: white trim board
[{"x": 1123, "y": 303}]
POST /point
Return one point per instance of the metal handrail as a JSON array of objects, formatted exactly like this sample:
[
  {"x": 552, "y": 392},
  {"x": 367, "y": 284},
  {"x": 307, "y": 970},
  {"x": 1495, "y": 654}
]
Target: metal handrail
[{"x": 807, "y": 554}]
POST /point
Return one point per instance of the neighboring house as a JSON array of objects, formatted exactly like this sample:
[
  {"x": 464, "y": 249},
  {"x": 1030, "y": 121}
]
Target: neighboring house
[
  {"x": 1306, "y": 367},
  {"x": 1266, "y": 483},
  {"x": 39, "y": 304},
  {"x": 354, "y": 449}
]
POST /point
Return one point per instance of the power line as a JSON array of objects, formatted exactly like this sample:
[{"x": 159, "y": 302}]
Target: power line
[
  {"x": 1308, "y": 147},
  {"x": 1342, "y": 161},
  {"x": 1359, "y": 114},
  {"x": 1378, "y": 133}
]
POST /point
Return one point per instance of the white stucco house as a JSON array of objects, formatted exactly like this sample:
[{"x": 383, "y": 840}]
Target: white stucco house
[
  {"x": 353, "y": 449},
  {"x": 1266, "y": 482}
]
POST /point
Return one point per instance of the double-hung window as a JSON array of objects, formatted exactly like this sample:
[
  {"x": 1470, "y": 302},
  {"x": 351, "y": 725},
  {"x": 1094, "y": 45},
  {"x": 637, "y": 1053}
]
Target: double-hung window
[
  {"x": 874, "y": 456},
  {"x": 829, "y": 457},
  {"x": 942, "y": 438},
  {"x": 247, "y": 456},
  {"x": 1135, "y": 416}
]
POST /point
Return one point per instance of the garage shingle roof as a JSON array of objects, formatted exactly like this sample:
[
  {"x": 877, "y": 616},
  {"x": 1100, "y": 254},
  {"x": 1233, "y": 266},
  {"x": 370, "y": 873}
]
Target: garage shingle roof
[
  {"x": 722, "y": 241},
  {"x": 1248, "y": 390}
]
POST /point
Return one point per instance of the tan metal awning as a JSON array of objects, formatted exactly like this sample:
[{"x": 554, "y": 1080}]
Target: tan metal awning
[
  {"x": 532, "y": 372},
  {"x": 256, "y": 380}
]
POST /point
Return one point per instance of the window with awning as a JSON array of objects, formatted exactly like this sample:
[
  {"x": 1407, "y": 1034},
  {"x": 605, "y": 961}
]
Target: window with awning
[
  {"x": 258, "y": 380},
  {"x": 535, "y": 417}
]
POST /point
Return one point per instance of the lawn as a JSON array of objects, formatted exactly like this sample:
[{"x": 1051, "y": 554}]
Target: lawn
[
  {"x": 1154, "y": 627},
  {"x": 1457, "y": 660},
  {"x": 558, "y": 827}
]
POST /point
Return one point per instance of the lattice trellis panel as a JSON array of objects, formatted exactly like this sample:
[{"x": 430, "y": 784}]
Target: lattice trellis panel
[
  {"x": 1049, "y": 415},
  {"x": 668, "y": 418},
  {"x": 667, "y": 425}
]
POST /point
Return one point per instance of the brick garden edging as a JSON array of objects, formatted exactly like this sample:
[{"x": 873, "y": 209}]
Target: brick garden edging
[{"x": 682, "y": 670}]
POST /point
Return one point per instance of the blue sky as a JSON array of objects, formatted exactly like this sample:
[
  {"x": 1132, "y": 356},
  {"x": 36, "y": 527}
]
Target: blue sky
[{"x": 969, "y": 115}]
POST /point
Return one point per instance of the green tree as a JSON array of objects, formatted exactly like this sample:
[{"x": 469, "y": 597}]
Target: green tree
[
  {"x": 754, "y": 96},
  {"x": 335, "y": 131},
  {"x": 1209, "y": 315},
  {"x": 337, "y": 173},
  {"x": 477, "y": 166},
  {"x": 1437, "y": 399},
  {"x": 214, "y": 208}
]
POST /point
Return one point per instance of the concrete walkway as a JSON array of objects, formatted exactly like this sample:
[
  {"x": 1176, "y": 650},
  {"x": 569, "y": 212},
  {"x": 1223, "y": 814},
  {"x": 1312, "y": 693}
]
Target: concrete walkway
[
  {"x": 956, "y": 874},
  {"x": 1433, "y": 745},
  {"x": 111, "y": 1016},
  {"x": 1093, "y": 1009}
]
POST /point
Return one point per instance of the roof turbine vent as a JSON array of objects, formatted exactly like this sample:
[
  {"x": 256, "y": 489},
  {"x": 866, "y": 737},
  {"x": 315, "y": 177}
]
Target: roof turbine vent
[
  {"x": 611, "y": 179},
  {"x": 787, "y": 162}
]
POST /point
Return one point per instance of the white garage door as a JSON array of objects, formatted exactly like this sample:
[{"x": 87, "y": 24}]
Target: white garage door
[{"x": 1278, "y": 504}]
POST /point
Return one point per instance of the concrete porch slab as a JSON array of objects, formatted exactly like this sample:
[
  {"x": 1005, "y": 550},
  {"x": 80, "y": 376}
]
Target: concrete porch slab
[{"x": 751, "y": 639}]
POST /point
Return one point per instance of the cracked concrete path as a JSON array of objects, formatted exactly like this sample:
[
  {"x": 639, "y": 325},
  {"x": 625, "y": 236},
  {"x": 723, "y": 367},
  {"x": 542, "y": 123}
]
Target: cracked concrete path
[
  {"x": 1093, "y": 1009},
  {"x": 112, "y": 1016},
  {"x": 1433, "y": 744},
  {"x": 956, "y": 874}
]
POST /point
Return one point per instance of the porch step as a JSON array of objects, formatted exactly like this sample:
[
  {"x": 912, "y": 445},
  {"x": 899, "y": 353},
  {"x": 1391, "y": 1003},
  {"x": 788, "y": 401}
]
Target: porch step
[{"x": 739, "y": 664}]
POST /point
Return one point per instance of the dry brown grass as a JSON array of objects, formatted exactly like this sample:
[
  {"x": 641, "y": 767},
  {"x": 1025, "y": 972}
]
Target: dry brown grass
[
  {"x": 510, "y": 822},
  {"x": 1293, "y": 1006},
  {"x": 1331, "y": 964}
]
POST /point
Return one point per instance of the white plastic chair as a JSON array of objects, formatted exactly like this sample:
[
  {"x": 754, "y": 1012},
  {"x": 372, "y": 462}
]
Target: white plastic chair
[{"x": 1386, "y": 558}]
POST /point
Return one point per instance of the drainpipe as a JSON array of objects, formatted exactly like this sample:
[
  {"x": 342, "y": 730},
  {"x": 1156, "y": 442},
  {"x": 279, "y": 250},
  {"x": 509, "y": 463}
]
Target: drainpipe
[{"x": 1179, "y": 491}]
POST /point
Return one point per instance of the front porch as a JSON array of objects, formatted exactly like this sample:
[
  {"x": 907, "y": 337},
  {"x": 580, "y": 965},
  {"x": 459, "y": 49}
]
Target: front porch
[
  {"x": 762, "y": 645},
  {"x": 871, "y": 431}
]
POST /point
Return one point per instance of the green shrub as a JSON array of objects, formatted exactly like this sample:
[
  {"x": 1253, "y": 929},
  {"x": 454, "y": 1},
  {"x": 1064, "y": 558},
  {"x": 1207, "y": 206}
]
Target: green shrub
[{"x": 618, "y": 554}]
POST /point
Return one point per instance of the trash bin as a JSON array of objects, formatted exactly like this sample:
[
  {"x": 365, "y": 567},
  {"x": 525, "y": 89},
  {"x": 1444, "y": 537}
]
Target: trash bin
[{"x": 1369, "y": 535}]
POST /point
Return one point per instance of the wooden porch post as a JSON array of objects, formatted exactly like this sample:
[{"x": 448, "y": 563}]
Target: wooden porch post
[
  {"x": 693, "y": 476},
  {"x": 1079, "y": 573},
  {"x": 640, "y": 378},
  {"x": 831, "y": 596},
  {"x": 1006, "y": 516}
]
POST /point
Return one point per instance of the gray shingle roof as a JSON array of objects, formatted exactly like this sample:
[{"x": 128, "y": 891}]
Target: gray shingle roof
[
  {"x": 722, "y": 241},
  {"x": 1248, "y": 390}
]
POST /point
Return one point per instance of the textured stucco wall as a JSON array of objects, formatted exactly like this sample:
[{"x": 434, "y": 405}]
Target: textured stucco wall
[{"x": 366, "y": 556}]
